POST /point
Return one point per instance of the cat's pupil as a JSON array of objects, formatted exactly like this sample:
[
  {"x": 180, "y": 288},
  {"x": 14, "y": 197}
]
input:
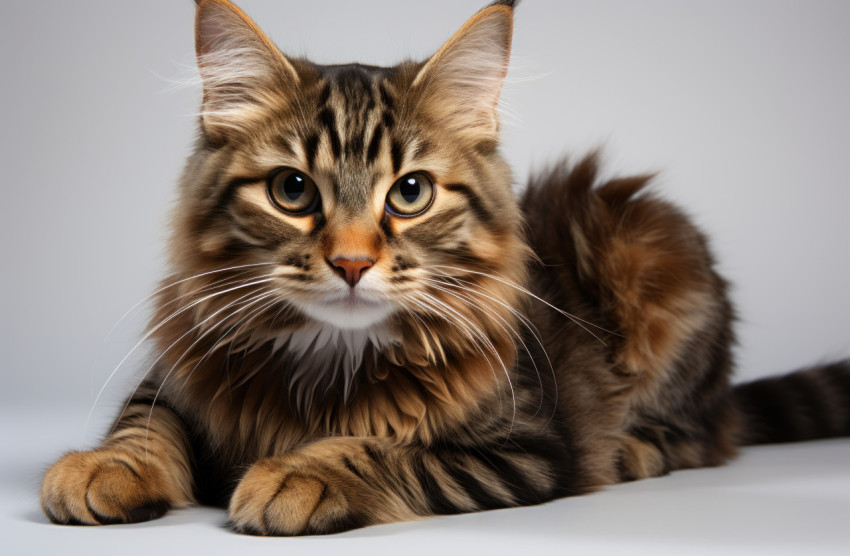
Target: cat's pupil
[
  {"x": 293, "y": 187},
  {"x": 410, "y": 189}
]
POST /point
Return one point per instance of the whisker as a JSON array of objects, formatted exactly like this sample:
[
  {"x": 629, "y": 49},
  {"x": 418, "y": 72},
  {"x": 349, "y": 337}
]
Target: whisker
[
  {"x": 160, "y": 325},
  {"x": 248, "y": 319},
  {"x": 574, "y": 318},
  {"x": 219, "y": 283},
  {"x": 471, "y": 287},
  {"x": 431, "y": 310},
  {"x": 162, "y": 354},
  {"x": 243, "y": 321},
  {"x": 485, "y": 340},
  {"x": 432, "y": 338},
  {"x": 502, "y": 323},
  {"x": 253, "y": 298},
  {"x": 178, "y": 282}
]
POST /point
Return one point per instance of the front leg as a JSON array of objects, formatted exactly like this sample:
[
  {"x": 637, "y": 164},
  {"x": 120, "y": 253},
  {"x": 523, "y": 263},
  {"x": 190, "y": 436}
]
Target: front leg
[
  {"x": 339, "y": 484},
  {"x": 140, "y": 471}
]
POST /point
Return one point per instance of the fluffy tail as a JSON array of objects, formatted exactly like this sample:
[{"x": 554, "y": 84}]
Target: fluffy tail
[{"x": 804, "y": 405}]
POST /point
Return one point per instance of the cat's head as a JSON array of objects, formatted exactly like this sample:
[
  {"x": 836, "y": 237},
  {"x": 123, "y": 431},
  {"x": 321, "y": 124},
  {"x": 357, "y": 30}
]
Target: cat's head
[{"x": 352, "y": 197}]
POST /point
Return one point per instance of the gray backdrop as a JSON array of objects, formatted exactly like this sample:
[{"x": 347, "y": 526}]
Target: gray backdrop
[{"x": 742, "y": 106}]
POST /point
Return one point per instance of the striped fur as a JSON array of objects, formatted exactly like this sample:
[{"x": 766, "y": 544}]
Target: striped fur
[
  {"x": 812, "y": 403},
  {"x": 436, "y": 381}
]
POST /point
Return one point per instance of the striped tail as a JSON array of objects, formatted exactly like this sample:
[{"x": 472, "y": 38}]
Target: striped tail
[{"x": 803, "y": 405}]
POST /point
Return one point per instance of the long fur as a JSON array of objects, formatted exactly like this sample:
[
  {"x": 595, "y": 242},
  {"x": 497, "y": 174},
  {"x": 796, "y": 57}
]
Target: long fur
[{"x": 491, "y": 351}]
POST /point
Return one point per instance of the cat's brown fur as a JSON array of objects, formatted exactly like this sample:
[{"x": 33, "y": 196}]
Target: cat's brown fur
[{"x": 470, "y": 393}]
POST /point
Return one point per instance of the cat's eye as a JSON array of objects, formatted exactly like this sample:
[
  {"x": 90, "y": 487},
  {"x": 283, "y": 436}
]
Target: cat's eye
[
  {"x": 293, "y": 191},
  {"x": 411, "y": 195}
]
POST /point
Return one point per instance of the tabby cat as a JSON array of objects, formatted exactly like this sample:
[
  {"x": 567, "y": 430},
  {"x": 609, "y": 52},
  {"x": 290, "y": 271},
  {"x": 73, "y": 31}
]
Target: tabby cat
[{"x": 364, "y": 325}]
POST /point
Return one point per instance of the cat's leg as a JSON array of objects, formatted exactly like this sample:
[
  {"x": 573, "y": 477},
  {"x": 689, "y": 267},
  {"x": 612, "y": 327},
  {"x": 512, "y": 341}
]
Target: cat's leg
[
  {"x": 140, "y": 471},
  {"x": 343, "y": 483}
]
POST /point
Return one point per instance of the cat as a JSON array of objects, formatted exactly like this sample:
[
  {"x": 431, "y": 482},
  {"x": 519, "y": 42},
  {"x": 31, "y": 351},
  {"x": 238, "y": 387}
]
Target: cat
[{"x": 364, "y": 324}]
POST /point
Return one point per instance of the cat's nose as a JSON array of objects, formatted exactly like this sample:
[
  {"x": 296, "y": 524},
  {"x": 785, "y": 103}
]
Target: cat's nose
[{"x": 351, "y": 270}]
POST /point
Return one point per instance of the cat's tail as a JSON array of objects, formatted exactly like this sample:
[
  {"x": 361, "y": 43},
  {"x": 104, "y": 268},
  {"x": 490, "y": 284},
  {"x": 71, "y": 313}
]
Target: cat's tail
[{"x": 804, "y": 405}]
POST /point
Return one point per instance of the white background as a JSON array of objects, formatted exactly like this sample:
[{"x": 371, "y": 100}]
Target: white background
[{"x": 741, "y": 105}]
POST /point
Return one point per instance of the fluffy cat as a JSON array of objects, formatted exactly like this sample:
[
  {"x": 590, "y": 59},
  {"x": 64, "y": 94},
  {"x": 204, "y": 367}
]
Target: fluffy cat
[{"x": 364, "y": 325}]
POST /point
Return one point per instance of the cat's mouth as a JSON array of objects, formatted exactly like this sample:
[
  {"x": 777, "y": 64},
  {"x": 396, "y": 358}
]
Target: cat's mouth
[{"x": 349, "y": 310}]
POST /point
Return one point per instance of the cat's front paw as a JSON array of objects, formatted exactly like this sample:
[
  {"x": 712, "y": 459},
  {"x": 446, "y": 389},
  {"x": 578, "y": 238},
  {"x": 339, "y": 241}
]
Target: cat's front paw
[
  {"x": 292, "y": 495},
  {"x": 101, "y": 488}
]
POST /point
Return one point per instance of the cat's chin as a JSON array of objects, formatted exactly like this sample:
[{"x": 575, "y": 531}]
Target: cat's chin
[{"x": 348, "y": 315}]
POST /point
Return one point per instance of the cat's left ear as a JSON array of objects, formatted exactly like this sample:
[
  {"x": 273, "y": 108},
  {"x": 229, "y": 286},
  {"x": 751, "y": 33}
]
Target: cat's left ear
[{"x": 462, "y": 81}]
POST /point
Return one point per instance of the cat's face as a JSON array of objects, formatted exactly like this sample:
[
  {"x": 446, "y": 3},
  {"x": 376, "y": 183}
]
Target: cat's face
[{"x": 352, "y": 195}]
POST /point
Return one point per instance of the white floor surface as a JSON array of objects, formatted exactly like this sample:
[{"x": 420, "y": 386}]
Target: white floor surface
[{"x": 788, "y": 499}]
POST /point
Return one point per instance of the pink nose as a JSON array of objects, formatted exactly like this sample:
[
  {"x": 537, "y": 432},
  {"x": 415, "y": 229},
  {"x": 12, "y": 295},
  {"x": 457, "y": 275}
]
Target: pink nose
[{"x": 351, "y": 270}]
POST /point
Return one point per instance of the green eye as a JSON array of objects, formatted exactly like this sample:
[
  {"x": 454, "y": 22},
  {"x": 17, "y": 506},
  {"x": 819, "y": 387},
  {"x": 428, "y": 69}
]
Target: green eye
[
  {"x": 293, "y": 191},
  {"x": 411, "y": 195}
]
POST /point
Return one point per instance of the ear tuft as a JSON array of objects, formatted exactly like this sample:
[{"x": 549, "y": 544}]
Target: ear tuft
[
  {"x": 463, "y": 80},
  {"x": 241, "y": 68}
]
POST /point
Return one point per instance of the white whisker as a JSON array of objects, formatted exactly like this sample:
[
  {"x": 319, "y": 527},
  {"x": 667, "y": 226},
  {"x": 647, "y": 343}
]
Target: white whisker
[
  {"x": 241, "y": 322},
  {"x": 485, "y": 341},
  {"x": 469, "y": 287},
  {"x": 160, "y": 325},
  {"x": 500, "y": 320},
  {"x": 178, "y": 282},
  {"x": 253, "y": 298},
  {"x": 575, "y": 319}
]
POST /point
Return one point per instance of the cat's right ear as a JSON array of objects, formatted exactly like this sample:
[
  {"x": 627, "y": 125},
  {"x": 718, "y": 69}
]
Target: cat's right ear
[{"x": 244, "y": 74}]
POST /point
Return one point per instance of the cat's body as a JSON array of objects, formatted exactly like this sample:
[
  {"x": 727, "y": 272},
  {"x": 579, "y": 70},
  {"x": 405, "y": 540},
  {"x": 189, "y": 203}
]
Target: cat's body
[{"x": 355, "y": 333}]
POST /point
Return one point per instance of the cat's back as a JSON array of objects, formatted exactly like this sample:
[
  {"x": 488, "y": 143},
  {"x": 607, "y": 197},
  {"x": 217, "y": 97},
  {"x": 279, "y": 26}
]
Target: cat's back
[{"x": 645, "y": 348}]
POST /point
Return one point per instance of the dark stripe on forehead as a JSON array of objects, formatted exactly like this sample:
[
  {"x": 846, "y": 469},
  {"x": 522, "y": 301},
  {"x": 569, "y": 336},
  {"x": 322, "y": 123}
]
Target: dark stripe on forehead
[
  {"x": 388, "y": 119},
  {"x": 386, "y": 98},
  {"x": 325, "y": 95},
  {"x": 354, "y": 144},
  {"x": 328, "y": 121},
  {"x": 375, "y": 144},
  {"x": 354, "y": 82},
  {"x": 397, "y": 153},
  {"x": 475, "y": 202},
  {"x": 486, "y": 147},
  {"x": 311, "y": 145}
]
